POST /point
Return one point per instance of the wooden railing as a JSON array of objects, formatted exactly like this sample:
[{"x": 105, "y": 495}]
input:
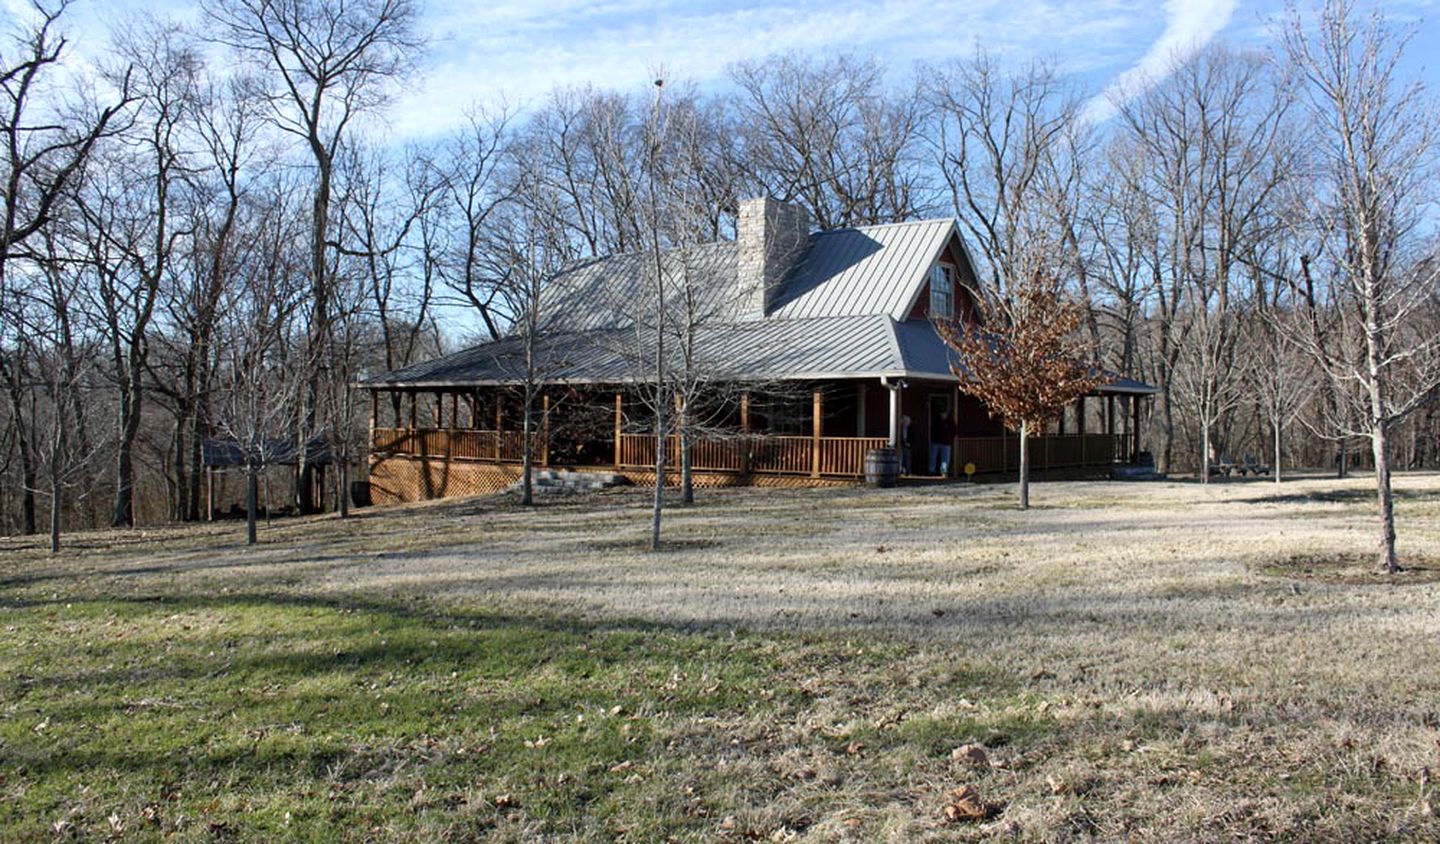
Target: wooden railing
[
  {"x": 1001, "y": 454},
  {"x": 839, "y": 456},
  {"x": 782, "y": 455},
  {"x": 778, "y": 455},
  {"x": 495, "y": 446}
]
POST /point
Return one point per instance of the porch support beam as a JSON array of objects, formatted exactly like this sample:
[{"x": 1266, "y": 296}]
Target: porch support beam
[
  {"x": 817, "y": 421},
  {"x": 619, "y": 417},
  {"x": 1135, "y": 428},
  {"x": 744, "y": 432},
  {"x": 545, "y": 431}
]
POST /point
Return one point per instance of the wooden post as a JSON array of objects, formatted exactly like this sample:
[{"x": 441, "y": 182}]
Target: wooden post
[
  {"x": 817, "y": 421},
  {"x": 545, "y": 431},
  {"x": 455, "y": 410},
  {"x": 619, "y": 421},
  {"x": 374, "y": 412},
  {"x": 955, "y": 440},
  {"x": 1080, "y": 428},
  {"x": 745, "y": 432},
  {"x": 414, "y": 412},
  {"x": 1110, "y": 415},
  {"x": 1135, "y": 412},
  {"x": 861, "y": 389},
  {"x": 498, "y": 409},
  {"x": 439, "y": 410},
  {"x": 209, "y": 494}
]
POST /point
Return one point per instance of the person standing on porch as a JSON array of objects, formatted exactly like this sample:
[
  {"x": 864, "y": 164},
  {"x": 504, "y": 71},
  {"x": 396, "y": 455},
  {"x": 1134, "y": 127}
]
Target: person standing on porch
[
  {"x": 940, "y": 438},
  {"x": 905, "y": 444}
]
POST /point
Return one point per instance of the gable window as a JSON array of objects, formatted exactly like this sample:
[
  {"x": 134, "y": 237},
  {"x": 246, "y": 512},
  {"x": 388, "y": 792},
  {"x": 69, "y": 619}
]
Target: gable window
[{"x": 942, "y": 291}]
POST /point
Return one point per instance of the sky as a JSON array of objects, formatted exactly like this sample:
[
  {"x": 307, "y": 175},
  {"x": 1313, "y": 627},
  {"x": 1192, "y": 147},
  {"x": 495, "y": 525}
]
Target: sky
[{"x": 517, "y": 50}]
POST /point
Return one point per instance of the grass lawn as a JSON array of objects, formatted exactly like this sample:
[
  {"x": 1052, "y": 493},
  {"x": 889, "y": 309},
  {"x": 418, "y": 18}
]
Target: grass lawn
[{"x": 1126, "y": 660}]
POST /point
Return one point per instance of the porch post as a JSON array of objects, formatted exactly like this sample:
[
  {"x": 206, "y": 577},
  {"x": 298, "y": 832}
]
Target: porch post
[
  {"x": 619, "y": 416},
  {"x": 414, "y": 412},
  {"x": 1110, "y": 414},
  {"x": 1080, "y": 428},
  {"x": 439, "y": 409},
  {"x": 209, "y": 494},
  {"x": 817, "y": 420},
  {"x": 955, "y": 440},
  {"x": 860, "y": 411},
  {"x": 745, "y": 432},
  {"x": 1135, "y": 412},
  {"x": 454, "y": 410},
  {"x": 374, "y": 412},
  {"x": 545, "y": 431},
  {"x": 499, "y": 399},
  {"x": 895, "y": 417}
]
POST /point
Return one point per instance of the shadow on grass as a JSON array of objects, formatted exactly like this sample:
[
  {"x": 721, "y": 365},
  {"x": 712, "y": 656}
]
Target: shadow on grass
[{"x": 1338, "y": 496}]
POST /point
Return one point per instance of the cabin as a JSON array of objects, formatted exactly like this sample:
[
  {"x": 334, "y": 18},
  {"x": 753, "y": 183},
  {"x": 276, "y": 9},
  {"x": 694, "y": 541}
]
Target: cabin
[{"x": 810, "y": 348}]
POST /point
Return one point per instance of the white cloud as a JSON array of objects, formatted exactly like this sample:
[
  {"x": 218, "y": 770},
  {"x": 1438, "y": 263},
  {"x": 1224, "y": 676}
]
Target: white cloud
[
  {"x": 521, "y": 50},
  {"x": 1191, "y": 25}
]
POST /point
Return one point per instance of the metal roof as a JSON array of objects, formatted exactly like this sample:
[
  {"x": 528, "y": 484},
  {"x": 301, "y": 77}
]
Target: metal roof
[
  {"x": 603, "y": 293},
  {"x": 869, "y": 270},
  {"x": 830, "y": 347},
  {"x": 840, "y": 313}
]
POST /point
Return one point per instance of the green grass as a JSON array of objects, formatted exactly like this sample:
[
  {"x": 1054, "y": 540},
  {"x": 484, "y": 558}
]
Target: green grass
[
  {"x": 1138, "y": 661},
  {"x": 277, "y": 717}
]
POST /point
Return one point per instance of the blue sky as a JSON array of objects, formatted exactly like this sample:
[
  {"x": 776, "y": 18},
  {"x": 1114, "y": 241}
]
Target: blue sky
[{"x": 518, "y": 49}]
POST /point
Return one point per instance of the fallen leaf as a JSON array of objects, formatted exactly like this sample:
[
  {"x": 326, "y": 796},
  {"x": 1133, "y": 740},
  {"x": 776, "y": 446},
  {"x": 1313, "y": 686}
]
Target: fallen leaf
[
  {"x": 965, "y": 805},
  {"x": 971, "y": 754}
]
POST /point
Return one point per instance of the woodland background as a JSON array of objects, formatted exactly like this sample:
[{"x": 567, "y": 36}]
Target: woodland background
[{"x": 213, "y": 235}]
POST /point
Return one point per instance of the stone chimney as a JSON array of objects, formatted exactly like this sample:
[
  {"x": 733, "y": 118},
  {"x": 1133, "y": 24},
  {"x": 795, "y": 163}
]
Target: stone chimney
[{"x": 770, "y": 238}]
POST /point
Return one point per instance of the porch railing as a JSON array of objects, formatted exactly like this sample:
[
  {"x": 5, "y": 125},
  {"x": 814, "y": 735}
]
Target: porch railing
[
  {"x": 777, "y": 455},
  {"x": 1001, "y": 454},
  {"x": 441, "y": 443}
]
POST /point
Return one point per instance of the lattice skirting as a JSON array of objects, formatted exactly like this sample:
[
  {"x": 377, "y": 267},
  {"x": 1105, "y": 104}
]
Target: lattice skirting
[{"x": 397, "y": 479}]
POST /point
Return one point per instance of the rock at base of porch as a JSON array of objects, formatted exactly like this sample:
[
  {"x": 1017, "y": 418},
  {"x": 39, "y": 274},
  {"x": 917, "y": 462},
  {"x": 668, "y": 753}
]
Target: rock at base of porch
[{"x": 560, "y": 481}]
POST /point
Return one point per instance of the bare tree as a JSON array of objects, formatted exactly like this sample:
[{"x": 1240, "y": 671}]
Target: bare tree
[
  {"x": 331, "y": 63},
  {"x": 828, "y": 135},
  {"x": 997, "y": 138},
  {"x": 1374, "y": 140},
  {"x": 45, "y": 150}
]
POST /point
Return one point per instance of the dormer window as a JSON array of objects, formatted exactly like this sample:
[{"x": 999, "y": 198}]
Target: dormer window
[{"x": 942, "y": 291}]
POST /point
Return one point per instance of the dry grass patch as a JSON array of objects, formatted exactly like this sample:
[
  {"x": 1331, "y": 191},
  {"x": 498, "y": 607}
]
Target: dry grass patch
[{"x": 1133, "y": 660}]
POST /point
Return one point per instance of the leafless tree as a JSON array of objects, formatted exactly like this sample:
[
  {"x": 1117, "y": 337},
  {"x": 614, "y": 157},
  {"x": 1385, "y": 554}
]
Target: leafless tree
[
  {"x": 998, "y": 139},
  {"x": 331, "y": 63},
  {"x": 1374, "y": 137},
  {"x": 829, "y": 136},
  {"x": 46, "y": 147}
]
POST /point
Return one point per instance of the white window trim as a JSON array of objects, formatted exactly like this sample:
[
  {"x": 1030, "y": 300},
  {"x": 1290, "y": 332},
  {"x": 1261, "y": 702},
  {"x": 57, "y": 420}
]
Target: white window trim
[{"x": 948, "y": 271}]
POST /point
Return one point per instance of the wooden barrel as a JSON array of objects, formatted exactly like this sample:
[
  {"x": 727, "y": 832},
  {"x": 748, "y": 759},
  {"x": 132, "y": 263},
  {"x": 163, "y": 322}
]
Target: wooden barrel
[{"x": 882, "y": 467}]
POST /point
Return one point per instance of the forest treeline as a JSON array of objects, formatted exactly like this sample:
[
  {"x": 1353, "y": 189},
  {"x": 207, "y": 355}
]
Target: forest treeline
[{"x": 211, "y": 233}]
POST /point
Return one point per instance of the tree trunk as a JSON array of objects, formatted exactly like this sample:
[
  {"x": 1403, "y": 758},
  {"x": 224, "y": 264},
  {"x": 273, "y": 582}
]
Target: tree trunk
[
  {"x": 1024, "y": 466},
  {"x": 527, "y": 456},
  {"x": 1379, "y": 440},
  {"x": 1275, "y": 469},
  {"x": 251, "y": 504},
  {"x": 1204, "y": 453},
  {"x": 687, "y": 486},
  {"x": 343, "y": 505},
  {"x": 29, "y": 478},
  {"x": 55, "y": 504},
  {"x": 659, "y": 505}
]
